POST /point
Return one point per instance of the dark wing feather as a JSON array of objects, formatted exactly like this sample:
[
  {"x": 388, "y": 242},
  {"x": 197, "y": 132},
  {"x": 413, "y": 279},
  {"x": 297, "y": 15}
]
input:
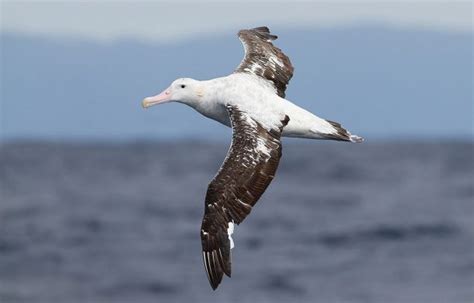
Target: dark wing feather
[
  {"x": 248, "y": 169},
  {"x": 265, "y": 60}
]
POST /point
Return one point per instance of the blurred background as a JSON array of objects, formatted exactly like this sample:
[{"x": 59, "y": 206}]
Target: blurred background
[{"x": 101, "y": 201}]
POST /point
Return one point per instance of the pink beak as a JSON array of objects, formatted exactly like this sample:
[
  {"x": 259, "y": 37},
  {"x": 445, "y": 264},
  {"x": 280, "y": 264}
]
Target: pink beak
[{"x": 163, "y": 97}]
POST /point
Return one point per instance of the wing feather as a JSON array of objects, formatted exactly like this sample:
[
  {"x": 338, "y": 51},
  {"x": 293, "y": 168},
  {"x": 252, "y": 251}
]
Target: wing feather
[
  {"x": 248, "y": 169},
  {"x": 265, "y": 60}
]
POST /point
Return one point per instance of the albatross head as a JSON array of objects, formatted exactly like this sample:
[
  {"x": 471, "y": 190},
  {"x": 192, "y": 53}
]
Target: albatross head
[{"x": 184, "y": 90}]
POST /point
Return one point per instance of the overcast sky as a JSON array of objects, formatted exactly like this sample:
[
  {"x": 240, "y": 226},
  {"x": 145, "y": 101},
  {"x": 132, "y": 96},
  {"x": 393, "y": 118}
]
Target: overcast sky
[{"x": 109, "y": 20}]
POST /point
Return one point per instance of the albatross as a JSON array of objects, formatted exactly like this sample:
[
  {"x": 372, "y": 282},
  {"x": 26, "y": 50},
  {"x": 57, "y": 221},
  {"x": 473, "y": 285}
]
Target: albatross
[{"x": 252, "y": 102}]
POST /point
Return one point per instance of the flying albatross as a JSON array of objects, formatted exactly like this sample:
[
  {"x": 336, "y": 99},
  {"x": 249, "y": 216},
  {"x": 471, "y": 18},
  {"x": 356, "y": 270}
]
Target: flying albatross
[{"x": 252, "y": 101}]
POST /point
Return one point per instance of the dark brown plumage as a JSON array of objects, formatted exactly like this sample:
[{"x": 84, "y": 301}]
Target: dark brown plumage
[
  {"x": 265, "y": 60},
  {"x": 248, "y": 169},
  {"x": 341, "y": 135}
]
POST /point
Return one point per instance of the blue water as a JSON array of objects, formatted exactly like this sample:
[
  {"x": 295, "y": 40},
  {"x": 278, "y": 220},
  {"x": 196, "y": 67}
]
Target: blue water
[{"x": 372, "y": 222}]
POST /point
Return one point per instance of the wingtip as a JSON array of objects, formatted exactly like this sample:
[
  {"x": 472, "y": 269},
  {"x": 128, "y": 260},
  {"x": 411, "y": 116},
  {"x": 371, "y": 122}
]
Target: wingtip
[
  {"x": 216, "y": 265},
  {"x": 214, "y": 287},
  {"x": 263, "y": 28},
  {"x": 261, "y": 31}
]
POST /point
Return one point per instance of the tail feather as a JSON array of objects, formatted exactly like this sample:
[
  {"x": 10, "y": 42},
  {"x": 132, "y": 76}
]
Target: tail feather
[
  {"x": 356, "y": 139},
  {"x": 341, "y": 134}
]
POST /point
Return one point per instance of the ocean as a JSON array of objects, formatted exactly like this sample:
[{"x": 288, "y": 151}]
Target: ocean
[{"x": 119, "y": 222}]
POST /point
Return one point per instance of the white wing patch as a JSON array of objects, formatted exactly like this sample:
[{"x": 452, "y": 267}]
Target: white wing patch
[
  {"x": 262, "y": 147},
  {"x": 230, "y": 231},
  {"x": 274, "y": 60}
]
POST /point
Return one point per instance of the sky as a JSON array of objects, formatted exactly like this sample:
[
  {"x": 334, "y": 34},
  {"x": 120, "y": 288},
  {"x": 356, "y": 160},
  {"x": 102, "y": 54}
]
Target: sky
[
  {"x": 177, "y": 20},
  {"x": 386, "y": 68}
]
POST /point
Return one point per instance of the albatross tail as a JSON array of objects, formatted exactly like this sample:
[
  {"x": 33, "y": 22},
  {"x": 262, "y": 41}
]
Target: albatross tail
[
  {"x": 341, "y": 134},
  {"x": 304, "y": 124}
]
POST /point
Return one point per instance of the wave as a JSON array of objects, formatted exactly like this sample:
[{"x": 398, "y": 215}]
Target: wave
[{"x": 383, "y": 233}]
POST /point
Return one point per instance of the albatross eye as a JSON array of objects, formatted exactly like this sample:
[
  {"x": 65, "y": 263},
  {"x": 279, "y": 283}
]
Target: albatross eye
[{"x": 183, "y": 86}]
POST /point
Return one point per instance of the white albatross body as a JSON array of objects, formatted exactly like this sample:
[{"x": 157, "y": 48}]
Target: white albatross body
[
  {"x": 259, "y": 99},
  {"x": 252, "y": 101}
]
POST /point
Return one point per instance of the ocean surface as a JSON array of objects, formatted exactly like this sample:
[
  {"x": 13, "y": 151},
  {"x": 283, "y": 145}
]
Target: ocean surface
[{"x": 372, "y": 222}]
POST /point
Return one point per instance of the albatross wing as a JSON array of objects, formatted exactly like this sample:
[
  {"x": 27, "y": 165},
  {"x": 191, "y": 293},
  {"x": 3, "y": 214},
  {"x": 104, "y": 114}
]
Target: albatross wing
[
  {"x": 248, "y": 169},
  {"x": 265, "y": 60}
]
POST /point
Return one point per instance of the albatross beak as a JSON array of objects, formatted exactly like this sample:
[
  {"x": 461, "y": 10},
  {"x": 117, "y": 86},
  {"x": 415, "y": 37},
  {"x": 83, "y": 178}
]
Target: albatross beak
[{"x": 162, "y": 97}]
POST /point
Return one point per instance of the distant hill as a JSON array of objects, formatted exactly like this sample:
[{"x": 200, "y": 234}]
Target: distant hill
[{"x": 379, "y": 82}]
